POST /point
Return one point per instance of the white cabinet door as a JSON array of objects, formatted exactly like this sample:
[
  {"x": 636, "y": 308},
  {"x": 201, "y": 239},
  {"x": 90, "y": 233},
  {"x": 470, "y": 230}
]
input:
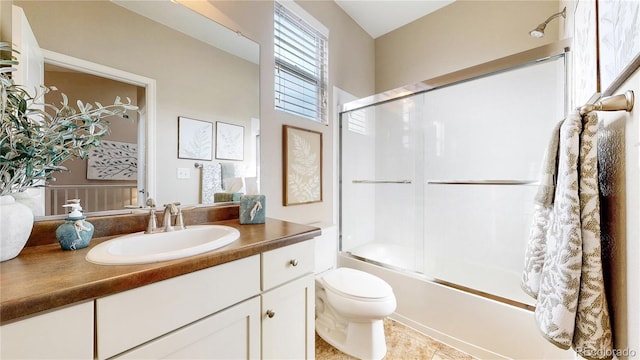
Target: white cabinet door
[
  {"x": 130, "y": 318},
  {"x": 61, "y": 334},
  {"x": 288, "y": 320},
  {"x": 233, "y": 333}
]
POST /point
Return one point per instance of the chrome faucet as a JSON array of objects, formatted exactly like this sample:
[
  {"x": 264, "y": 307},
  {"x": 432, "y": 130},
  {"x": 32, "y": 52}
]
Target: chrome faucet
[
  {"x": 169, "y": 210},
  {"x": 153, "y": 220}
]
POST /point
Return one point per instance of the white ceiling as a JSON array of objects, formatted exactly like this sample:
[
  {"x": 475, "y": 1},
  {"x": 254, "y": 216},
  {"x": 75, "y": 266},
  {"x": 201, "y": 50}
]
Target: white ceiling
[{"x": 378, "y": 17}]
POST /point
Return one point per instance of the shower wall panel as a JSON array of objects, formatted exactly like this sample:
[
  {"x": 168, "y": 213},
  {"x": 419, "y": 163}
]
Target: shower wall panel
[
  {"x": 357, "y": 203},
  {"x": 495, "y": 127},
  {"x": 381, "y": 182}
]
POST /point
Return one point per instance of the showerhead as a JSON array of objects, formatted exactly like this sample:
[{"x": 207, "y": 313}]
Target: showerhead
[{"x": 538, "y": 32}]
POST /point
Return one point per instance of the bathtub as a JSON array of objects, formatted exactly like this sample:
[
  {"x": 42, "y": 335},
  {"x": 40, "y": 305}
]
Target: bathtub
[{"x": 480, "y": 326}]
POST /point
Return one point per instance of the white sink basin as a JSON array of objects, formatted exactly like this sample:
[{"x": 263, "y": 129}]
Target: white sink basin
[{"x": 141, "y": 248}]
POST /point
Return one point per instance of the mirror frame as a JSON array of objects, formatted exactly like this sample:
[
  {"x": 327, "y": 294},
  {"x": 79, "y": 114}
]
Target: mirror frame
[{"x": 146, "y": 182}]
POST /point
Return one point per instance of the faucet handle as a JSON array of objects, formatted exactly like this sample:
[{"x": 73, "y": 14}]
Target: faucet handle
[
  {"x": 150, "y": 202},
  {"x": 180, "y": 220},
  {"x": 152, "y": 225},
  {"x": 172, "y": 207}
]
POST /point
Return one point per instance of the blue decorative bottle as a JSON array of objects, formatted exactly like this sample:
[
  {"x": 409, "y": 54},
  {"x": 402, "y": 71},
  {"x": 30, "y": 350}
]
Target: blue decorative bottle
[{"x": 75, "y": 233}]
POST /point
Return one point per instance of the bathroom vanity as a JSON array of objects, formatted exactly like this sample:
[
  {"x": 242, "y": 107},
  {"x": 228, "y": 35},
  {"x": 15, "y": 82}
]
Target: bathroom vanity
[{"x": 251, "y": 299}]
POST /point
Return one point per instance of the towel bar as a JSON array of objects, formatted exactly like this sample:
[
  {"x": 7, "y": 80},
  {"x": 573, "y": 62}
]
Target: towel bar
[{"x": 610, "y": 103}]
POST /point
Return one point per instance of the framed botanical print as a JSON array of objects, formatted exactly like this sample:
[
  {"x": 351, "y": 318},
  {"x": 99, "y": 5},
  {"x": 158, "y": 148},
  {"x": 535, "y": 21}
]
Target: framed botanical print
[
  {"x": 229, "y": 141},
  {"x": 302, "y": 166},
  {"x": 618, "y": 42},
  {"x": 195, "y": 138},
  {"x": 584, "y": 52}
]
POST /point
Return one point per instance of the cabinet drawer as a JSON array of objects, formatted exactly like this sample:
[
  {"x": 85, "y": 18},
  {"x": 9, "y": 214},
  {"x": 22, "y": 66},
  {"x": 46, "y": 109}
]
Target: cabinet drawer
[
  {"x": 287, "y": 263},
  {"x": 130, "y": 318}
]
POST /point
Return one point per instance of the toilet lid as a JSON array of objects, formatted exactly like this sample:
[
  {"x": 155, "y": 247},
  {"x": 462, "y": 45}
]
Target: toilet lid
[{"x": 357, "y": 283}]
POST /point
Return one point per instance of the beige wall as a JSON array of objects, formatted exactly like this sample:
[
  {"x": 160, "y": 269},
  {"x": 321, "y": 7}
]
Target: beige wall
[
  {"x": 5, "y": 21},
  {"x": 460, "y": 35}
]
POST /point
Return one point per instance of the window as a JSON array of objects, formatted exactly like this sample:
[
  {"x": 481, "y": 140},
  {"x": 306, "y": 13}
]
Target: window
[{"x": 300, "y": 66}]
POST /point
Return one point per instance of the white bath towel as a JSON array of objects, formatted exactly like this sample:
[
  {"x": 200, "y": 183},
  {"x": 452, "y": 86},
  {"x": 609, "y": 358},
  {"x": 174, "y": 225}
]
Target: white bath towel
[
  {"x": 563, "y": 265},
  {"x": 541, "y": 216}
]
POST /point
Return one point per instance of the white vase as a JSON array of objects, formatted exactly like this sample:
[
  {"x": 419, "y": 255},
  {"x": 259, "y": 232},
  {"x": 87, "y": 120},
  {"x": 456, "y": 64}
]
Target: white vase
[
  {"x": 16, "y": 222},
  {"x": 32, "y": 198}
]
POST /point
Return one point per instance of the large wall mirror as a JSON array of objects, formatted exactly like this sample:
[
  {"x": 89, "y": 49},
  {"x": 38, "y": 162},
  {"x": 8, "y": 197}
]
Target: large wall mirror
[{"x": 187, "y": 65}]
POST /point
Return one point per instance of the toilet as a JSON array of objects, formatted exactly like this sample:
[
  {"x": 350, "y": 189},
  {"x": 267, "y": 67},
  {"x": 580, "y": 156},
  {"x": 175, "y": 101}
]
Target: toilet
[
  {"x": 350, "y": 308},
  {"x": 350, "y": 304}
]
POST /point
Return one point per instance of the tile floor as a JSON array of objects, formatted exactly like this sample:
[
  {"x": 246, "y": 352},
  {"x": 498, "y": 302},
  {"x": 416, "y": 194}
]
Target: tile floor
[{"x": 402, "y": 343}]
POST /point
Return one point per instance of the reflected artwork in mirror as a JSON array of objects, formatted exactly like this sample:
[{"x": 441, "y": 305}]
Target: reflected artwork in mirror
[
  {"x": 169, "y": 59},
  {"x": 194, "y": 139}
]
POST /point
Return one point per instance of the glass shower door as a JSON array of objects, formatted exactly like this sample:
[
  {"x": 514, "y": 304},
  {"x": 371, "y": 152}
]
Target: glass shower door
[
  {"x": 442, "y": 182},
  {"x": 485, "y": 141},
  {"x": 381, "y": 183}
]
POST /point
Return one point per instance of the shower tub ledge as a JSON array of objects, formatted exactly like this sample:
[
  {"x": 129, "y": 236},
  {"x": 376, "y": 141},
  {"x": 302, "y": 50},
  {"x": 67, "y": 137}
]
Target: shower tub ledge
[{"x": 481, "y": 327}]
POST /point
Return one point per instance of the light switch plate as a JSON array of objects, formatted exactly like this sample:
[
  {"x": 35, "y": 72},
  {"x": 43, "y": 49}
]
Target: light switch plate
[{"x": 184, "y": 173}]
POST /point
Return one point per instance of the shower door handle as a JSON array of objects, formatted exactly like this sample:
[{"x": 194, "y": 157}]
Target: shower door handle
[
  {"x": 482, "y": 182},
  {"x": 381, "y": 181}
]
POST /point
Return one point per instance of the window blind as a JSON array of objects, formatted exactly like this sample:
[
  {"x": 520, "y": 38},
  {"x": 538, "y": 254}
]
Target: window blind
[{"x": 300, "y": 66}]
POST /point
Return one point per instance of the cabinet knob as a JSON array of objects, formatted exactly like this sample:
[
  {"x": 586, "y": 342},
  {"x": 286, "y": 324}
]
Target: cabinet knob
[
  {"x": 293, "y": 262},
  {"x": 271, "y": 313}
]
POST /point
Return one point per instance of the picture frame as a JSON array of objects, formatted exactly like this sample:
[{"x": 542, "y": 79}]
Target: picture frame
[
  {"x": 229, "y": 141},
  {"x": 302, "y": 166},
  {"x": 619, "y": 51},
  {"x": 584, "y": 52},
  {"x": 113, "y": 160},
  {"x": 195, "y": 139}
]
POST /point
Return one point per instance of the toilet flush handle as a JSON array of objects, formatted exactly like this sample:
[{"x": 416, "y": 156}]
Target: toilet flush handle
[{"x": 294, "y": 262}]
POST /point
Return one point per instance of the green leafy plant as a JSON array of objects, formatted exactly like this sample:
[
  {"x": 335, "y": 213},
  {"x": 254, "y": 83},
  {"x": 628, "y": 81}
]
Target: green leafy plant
[{"x": 36, "y": 138}]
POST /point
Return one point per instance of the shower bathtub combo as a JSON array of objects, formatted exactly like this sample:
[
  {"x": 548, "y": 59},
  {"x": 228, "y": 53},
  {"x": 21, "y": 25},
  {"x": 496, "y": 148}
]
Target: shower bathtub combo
[{"x": 436, "y": 193}]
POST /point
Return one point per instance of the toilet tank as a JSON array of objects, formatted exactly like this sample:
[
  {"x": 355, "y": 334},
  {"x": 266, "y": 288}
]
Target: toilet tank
[{"x": 326, "y": 247}]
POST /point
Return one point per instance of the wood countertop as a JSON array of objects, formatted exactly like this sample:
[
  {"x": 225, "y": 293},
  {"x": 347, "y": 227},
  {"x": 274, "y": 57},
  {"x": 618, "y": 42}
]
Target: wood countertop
[{"x": 45, "y": 277}]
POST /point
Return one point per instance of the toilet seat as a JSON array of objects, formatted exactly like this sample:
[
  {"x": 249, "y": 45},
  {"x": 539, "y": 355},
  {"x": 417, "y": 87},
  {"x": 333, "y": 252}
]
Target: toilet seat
[{"x": 357, "y": 285}]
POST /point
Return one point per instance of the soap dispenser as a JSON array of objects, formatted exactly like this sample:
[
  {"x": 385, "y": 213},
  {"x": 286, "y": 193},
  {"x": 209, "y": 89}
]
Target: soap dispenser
[{"x": 75, "y": 233}]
